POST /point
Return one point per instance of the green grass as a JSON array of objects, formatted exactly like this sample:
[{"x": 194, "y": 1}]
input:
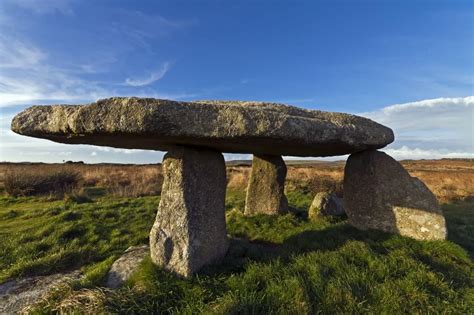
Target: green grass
[
  {"x": 460, "y": 223},
  {"x": 42, "y": 237},
  {"x": 234, "y": 199},
  {"x": 281, "y": 265}
]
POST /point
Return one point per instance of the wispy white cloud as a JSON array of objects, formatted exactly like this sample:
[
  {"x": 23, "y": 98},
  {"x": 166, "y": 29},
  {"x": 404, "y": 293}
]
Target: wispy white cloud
[
  {"x": 101, "y": 64},
  {"x": 34, "y": 74},
  {"x": 142, "y": 29},
  {"x": 44, "y": 6},
  {"x": 26, "y": 75},
  {"x": 15, "y": 54},
  {"x": 441, "y": 127},
  {"x": 153, "y": 77}
]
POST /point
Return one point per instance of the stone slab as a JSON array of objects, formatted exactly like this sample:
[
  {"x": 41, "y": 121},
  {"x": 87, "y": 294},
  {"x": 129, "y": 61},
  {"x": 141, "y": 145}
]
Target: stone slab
[{"x": 225, "y": 126}]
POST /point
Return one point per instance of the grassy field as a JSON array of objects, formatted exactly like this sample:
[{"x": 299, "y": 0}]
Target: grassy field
[{"x": 282, "y": 265}]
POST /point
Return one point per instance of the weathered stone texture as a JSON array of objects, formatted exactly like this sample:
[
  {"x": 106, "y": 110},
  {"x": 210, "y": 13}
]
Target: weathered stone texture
[
  {"x": 123, "y": 268},
  {"x": 190, "y": 229},
  {"x": 325, "y": 204},
  {"x": 380, "y": 194},
  {"x": 225, "y": 126},
  {"x": 265, "y": 191},
  {"x": 19, "y": 296}
]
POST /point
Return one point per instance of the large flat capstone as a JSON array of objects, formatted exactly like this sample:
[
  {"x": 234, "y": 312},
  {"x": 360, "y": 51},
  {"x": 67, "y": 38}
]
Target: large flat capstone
[{"x": 225, "y": 126}]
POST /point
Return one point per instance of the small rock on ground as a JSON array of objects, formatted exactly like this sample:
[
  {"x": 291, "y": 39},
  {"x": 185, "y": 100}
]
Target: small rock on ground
[
  {"x": 326, "y": 204},
  {"x": 126, "y": 265}
]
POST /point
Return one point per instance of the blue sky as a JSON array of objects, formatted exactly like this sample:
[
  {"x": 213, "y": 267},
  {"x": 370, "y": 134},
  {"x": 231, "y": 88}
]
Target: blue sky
[{"x": 407, "y": 64}]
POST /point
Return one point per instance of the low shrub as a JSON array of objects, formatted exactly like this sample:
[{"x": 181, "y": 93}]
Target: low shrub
[
  {"x": 26, "y": 182},
  {"x": 80, "y": 196}
]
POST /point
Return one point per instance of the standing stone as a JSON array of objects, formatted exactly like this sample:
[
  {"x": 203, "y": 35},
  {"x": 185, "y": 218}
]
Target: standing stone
[
  {"x": 325, "y": 204},
  {"x": 380, "y": 194},
  {"x": 190, "y": 229},
  {"x": 265, "y": 191}
]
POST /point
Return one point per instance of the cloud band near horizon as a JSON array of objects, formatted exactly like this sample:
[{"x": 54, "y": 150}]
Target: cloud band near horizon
[
  {"x": 434, "y": 128},
  {"x": 427, "y": 129}
]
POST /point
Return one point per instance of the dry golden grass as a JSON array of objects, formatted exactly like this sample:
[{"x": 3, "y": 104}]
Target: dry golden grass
[
  {"x": 126, "y": 181},
  {"x": 119, "y": 180},
  {"x": 89, "y": 301},
  {"x": 28, "y": 181},
  {"x": 449, "y": 179},
  {"x": 237, "y": 177}
]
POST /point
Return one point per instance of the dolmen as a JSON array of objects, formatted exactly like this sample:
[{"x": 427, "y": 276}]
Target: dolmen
[{"x": 190, "y": 229}]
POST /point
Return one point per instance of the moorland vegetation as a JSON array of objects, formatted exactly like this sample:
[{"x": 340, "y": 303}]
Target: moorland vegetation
[{"x": 58, "y": 218}]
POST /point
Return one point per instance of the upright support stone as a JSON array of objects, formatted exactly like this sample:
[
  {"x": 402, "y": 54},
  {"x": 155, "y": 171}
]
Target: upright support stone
[
  {"x": 265, "y": 191},
  {"x": 190, "y": 229},
  {"x": 380, "y": 194}
]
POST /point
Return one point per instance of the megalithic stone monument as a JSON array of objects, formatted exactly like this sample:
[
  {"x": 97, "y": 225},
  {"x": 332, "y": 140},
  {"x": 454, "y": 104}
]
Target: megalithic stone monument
[{"x": 195, "y": 133}]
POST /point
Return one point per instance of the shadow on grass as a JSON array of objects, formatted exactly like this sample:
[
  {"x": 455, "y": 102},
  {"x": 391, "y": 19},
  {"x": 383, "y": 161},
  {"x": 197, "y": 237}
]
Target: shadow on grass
[
  {"x": 241, "y": 251},
  {"x": 460, "y": 223},
  {"x": 167, "y": 290},
  {"x": 459, "y": 219},
  {"x": 317, "y": 259}
]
